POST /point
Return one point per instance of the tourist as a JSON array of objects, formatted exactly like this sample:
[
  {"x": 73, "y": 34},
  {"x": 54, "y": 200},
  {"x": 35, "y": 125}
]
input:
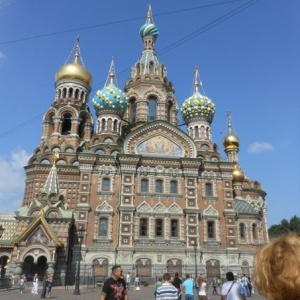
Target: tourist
[
  {"x": 177, "y": 283},
  {"x": 35, "y": 284},
  {"x": 202, "y": 288},
  {"x": 188, "y": 287},
  {"x": 49, "y": 281},
  {"x": 167, "y": 291},
  {"x": 245, "y": 285},
  {"x": 214, "y": 286},
  {"x": 232, "y": 290},
  {"x": 277, "y": 268},
  {"x": 128, "y": 280},
  {"x": 137, "y": 283},
  {"x": 114, "y": 288},
  {"x": 157, "y": 285},
  {"x": 22, "y": 283}
]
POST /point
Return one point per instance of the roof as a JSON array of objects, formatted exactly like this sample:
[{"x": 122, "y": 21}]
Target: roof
[{"x": 243, "y": 207}]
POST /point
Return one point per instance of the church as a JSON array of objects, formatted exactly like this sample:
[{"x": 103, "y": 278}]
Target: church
[{"x": 130, "y": 186}]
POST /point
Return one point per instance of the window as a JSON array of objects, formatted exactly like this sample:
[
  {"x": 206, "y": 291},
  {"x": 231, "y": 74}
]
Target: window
[
  {"x": 242, "y": 230},
  {"x": 210, "y": 229},
  {"x": 103, "y": 227},
  {"x": 196, "y": 131},
  {"x": 174, "y": 228},
  {"x": 115, "y": 125},
  {"x": 169, "y": 113},
  {"x": 151, "y": 109},
  {"x": 143, "y": 227},
  {"x": 158, "y": 227},
  {"x": 208, "y": 189},
  {"x": 254, "y": 231},
  {"x": 103, "y": 124},
  {"x": 66, "y": 124},
  {"x": 173, "y": 188},
  {"x": 158, "y": 186},
  {"x": 144, "y": 185},
  {"x": 133, "y": 110},
  {"x": 105, "y": 184}
]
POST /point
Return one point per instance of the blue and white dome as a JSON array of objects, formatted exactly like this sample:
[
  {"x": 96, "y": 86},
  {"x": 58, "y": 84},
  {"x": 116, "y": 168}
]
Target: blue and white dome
[
  {"x": 110, "y": 98},
  {"x": 148, "y": 29}
]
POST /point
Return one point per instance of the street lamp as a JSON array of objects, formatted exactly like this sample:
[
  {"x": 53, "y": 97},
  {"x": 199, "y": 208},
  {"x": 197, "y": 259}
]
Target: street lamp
[
  {"x": 195, "y": 249},
  {"x": 80, "y": 235},
  {"x": 1, "y": 230}
]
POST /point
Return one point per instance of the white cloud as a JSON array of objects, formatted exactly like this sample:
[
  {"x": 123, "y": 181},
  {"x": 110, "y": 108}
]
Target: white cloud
[
  {"x": 258, "y": 147},
  {"x": 12, "y": 180}
]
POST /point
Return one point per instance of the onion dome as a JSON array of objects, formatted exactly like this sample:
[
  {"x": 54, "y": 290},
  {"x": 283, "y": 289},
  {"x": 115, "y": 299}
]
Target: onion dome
[
  {"x": 149, "y": 29},
  {"x": 230, "y": 141},
  {"x": 198, "y": 106},
  {"x": 110, "y": 97},
  {"x": 74, "y": 70},
  {"x": 237, "y": 174}
]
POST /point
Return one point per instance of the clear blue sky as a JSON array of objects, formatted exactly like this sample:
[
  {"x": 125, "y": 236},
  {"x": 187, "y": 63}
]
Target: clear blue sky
[{"x": 248, "y": 63}]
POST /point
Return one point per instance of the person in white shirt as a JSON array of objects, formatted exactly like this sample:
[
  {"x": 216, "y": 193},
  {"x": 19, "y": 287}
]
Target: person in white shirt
[
  {"x": 128, "y": 280},
  {"x": 232, "y": 290}
]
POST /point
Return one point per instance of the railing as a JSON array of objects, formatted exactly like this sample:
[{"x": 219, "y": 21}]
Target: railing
[{"x": 5, "y": 283}]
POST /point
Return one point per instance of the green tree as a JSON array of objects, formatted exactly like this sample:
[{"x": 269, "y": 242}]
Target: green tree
[{"x": 285, "y": 227}]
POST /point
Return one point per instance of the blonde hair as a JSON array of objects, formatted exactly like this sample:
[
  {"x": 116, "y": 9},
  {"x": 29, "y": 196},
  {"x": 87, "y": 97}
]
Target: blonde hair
[
  {"x": 277, "y": 268},
  {"x": 200, "y": 280}
]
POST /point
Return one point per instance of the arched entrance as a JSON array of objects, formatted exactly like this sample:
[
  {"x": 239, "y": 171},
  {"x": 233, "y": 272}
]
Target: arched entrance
[
  {"x": 245, "y": 268},
  {"x": 143, "y": 268},
  {"x": 100, "y": 267},
  {"x": 30, "y": 267},
  {"x": 213, "y": 269},
  {"x": 173, "y": 266}
]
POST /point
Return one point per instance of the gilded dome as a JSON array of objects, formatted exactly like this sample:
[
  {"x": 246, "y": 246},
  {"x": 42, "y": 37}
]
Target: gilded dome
[
  {"x": 231, "y": 141},
  {"x": 74, "y": 70},
  {"x": 237, "y": 174}
]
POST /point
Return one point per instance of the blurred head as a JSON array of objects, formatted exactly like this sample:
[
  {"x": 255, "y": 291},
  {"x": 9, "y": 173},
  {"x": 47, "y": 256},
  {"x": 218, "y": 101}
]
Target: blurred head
[
  {"x": 117, "y": 271},
  {"x": 229, "y": 276},
  {"x": 167, "y": 277},
  {"x": 188, "y": 276},
  {"x": 277, "y": 268}
]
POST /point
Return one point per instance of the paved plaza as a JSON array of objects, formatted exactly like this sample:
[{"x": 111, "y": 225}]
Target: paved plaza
[{"x": 146, "y": 293}]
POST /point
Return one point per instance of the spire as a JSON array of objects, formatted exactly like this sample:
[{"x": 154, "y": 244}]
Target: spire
[
  {"x": 111, "y": 78},
  {"x": 149, "y": 15},
  {"x": 51, "y": 184},
  {"x": 229, "y": 122},
  {"x": 77, "y": 51}
]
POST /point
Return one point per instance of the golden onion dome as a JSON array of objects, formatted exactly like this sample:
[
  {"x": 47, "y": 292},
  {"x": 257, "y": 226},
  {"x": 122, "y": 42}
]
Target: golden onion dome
[
  {"x": 237, "y": 174},
  {"x": 231, "y": 141},
  {"x": 74, "y": 70}
]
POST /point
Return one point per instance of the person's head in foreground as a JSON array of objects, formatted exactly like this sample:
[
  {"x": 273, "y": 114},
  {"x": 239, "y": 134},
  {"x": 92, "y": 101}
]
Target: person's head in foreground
[{"x": 277, "y": 268}]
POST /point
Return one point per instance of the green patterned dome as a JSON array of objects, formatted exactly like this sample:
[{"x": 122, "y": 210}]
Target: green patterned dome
[
  {"x": 110, "y": 98},
  {"x": 198, "y": 106},
  {"x": 148, "y": 29}
]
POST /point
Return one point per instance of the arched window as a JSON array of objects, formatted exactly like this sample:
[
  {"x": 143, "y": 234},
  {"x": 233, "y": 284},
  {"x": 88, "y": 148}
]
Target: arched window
[
  {"x": 103, "y": 227},
  {"x": 159, "y": 186},
  {"x": 115, "y": 125},
  {"x": 133, "y": 110},
  {"x": 151, "y": 67},
  {"x": 254, "y": 233},
  {"x": 211, "y": 229},
  {"x": 242, "y": 230},
  {"x": 102, "y": 124},
  {"x": 158, "y": 227},
  {"x": 66, "y": 124},
  {"x": 81, "y": 126},
  {"x": 144, "y": 185},
  {"x": 173, "y": 188},
  {"x": 196, "y": 131},
  {"x": 169, "y": 112},
  {"x": 151, "y": 109},
  {"x": 208, "y": 189},
  {"x": 105, "y": 184}
]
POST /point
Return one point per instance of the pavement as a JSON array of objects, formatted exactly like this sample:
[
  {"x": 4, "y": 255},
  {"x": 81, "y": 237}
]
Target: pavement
[{"x": 146, "y": 293}]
